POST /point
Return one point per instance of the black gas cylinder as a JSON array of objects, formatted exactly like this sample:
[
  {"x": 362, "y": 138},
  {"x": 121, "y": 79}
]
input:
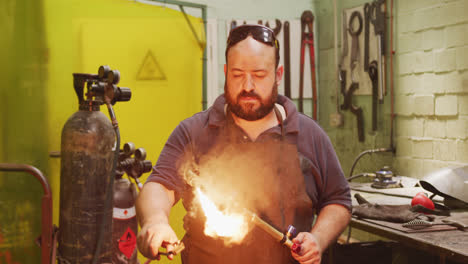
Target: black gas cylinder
[{"x": 87, "y": 156}]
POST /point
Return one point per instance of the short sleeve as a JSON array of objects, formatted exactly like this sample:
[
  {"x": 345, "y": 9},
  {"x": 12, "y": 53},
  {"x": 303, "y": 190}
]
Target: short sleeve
[
  {"x": 325, "y": 181},
  {"x": 335, "y": 188},
  {"x": 166, "y": 171}
]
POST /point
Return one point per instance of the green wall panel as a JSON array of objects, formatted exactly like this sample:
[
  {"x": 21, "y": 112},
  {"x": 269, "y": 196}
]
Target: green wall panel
[{"x": 23, "y": 126}]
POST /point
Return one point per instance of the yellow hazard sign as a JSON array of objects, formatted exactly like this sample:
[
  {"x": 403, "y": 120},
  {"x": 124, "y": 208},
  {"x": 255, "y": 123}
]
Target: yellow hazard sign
[{"x": 150, "y": 69}]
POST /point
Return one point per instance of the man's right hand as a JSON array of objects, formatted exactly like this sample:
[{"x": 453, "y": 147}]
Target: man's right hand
[{"x": 152, "y": 236}]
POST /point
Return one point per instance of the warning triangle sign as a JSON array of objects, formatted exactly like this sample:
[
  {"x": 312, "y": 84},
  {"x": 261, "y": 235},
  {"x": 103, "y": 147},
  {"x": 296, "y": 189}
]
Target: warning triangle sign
[{"x": 150, "y": 69}]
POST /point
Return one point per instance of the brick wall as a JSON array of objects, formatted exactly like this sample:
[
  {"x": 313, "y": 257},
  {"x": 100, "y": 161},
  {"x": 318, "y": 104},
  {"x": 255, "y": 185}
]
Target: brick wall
[
  {"x": 431, "y": 89},
  {"x": 431, "y": 85}
]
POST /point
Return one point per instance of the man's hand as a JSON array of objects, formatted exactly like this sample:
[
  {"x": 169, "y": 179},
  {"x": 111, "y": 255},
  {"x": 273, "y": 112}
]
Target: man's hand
[
  {"x": 311, "y": 252},
  {"x": 153, "y": 206},
  {"x": 152, "y": 236},
  {"x": 331, "y": 221}
]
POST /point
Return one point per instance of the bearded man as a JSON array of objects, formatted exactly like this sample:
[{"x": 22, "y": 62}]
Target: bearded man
[{"x": 251, "y": 148}]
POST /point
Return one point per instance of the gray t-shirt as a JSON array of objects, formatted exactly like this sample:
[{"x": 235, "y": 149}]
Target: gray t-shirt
[{"x": 324, "y": 179}]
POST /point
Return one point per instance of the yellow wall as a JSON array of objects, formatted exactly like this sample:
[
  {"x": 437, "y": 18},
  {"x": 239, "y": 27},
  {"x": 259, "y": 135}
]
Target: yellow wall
[{"x": 82, "y": 35}]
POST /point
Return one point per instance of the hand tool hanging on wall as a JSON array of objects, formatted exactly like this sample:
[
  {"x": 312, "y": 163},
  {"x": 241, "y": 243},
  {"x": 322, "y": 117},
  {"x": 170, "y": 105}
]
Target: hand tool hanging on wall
[
  {"x": 344, "y": 40},
  {"x": 354, "y": 61},
  {"x": 357, "y": 111},
  {"x": 343, "y": 85},
  {"x": 367, "y": 17},
  {"x": 344, "y": 53},
  {"x": 355, "y": 54},
  {"x": 307, "y": 38},
  {"x": 336, "y": 119},
  {"x": 378, "y": 20},
  {"x": 233, "y": 24},
  {"x": 373, "y": 75},
  {"x": 277, "y": 28},
  {"x": 287, "y": 61}
]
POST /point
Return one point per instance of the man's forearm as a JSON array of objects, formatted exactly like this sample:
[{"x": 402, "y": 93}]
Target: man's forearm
[
  {"x": 154, "y": 203},
  {"x": 331, "y": 221}
]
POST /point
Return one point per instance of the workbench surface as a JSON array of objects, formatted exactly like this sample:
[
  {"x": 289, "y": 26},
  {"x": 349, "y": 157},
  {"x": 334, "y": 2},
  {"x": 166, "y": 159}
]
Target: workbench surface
[{"x": 450, "y": 244}]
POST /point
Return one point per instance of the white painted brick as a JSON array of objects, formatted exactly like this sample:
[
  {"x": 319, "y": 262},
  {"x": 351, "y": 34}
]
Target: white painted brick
[
  {"x": 462, "y": 57},
  {"x": 401, "y": 127},
  {"x": 463, "y": 104},
  {"x": 425, "y": 18},
  {"x": 460, "y": 11},
  {"x": 434, "y": 128},
  {"x": 405, "y": 63},
  {"x": 423, "y": 149},
  {"x": 438, "y": 16},
  {"x": 432, "y": 39},
  {"x": 433, "y": 83},
  {"x": 415, "y": 167},
  {"x": 458, "y": 128},
  {"x": 453, "y": 82},
  {"x": 424, "y": 62},
  {"x": 424, "y": 105},
  {"x": 405, "y": 22},
  {"x": 401, "y": 166},
  {"x": 410, "y": 167},
  {"x": 404, "y": 147},
  {"x": 452, "y": 13},
  {"x": 445, "y": 150},
  {"x": 446, "y": 105},
  {"x": 403, "y": 105},
  {"x": 462, "y": 151},
  {"x": 456, "y": 35},
  {"x": 409, "y": 42},
  {"x": 405, "y": 5},
  {"x": 402, "y": 86},
  {"x": 464, "y": 82},
  {"x": 445, "y": 60},
  {"x": 416, "y": 127},
  {"x": 430, "y": 166},
  {"x": 408, "y": 84},
  {"x": 418, "y": 85}
]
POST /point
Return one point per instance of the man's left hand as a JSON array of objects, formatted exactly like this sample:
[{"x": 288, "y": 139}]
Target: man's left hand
[{"x": 311, "y": 252}]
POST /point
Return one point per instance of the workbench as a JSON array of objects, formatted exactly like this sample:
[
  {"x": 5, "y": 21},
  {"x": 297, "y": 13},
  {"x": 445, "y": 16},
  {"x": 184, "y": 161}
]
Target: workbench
[{"x": 449, "y": 244}]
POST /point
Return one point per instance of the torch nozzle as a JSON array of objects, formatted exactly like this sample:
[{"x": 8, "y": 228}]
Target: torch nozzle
[{"x": 282, "y": 238}]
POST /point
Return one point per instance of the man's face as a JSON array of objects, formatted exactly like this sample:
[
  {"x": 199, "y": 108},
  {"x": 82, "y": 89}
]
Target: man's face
[{"x": 251, "y": 86}]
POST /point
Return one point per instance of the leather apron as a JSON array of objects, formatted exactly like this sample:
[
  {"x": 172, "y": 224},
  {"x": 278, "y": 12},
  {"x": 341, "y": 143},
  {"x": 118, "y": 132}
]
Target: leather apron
[{"x": 263, "y": 177}]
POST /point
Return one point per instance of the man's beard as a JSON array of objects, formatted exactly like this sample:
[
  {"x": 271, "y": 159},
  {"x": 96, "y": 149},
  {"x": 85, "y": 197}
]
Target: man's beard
[{"x": 246, "y": 111}]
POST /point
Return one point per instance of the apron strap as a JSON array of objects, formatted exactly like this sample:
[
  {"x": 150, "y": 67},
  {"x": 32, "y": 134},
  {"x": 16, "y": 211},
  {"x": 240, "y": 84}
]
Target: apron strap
[{"x": 279, "y": 116}]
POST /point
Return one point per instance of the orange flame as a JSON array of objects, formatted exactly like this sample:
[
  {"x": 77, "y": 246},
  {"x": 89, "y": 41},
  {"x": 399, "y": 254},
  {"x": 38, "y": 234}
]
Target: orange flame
[{"x": 231, "y": 227}]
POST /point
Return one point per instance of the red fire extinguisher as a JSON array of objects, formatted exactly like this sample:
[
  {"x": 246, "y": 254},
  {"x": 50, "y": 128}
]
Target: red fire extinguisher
[{"x": 124, "y": 222}]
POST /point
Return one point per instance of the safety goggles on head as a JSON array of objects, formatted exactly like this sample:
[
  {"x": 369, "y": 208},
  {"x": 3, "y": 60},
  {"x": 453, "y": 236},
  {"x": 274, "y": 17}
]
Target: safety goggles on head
[{"x": 258, "y": 32}]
